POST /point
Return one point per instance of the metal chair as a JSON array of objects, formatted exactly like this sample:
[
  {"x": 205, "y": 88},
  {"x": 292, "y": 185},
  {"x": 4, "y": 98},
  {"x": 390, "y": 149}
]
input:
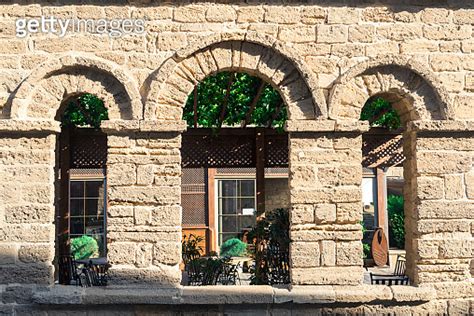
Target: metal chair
[
  {"x": 400, "y": 266},
  {"x": 70, "y": 272},
  {"x": 389, "y": 279}
]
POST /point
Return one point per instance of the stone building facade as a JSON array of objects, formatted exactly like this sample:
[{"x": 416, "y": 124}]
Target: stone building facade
[{"x": 326, "y": 59}]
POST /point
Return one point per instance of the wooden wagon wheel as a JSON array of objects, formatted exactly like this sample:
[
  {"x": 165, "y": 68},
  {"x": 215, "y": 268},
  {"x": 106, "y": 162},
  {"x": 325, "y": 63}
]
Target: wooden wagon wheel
[{"x": 380, "y": 248}]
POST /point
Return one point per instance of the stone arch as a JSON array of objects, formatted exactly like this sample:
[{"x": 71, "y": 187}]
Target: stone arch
[
  {"x": 40, "y": 95},
  {"x": 166, "y": 90},
  {"x": 411, "y": 88}
]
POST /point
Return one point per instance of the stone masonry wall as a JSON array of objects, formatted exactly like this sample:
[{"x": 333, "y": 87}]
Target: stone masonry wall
[
  {"x": 27, "y": 208},
  {"x": 325, "y": 59},
  {"x": 325, "y": 179},
  {"x": 144, "y": 216}
]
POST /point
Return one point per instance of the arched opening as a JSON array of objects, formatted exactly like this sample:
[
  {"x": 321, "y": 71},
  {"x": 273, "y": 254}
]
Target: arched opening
[
  {"x": 382, "y": 186},
  {"x": 234, "y": 175},
  {"x": 81, "y": 186}
]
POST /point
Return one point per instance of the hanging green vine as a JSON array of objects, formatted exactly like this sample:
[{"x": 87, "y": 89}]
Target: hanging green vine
[
  {"x": 380, "y": 113},
  {"x": 216, "y": 102},
  {"x": 86, "y": 110}
]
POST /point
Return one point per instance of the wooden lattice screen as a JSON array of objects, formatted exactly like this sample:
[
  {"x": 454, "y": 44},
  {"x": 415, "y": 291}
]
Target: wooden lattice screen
[
  {"x": 382, "y": 150},
  {"x": 231, "y": 149},
  {"x": 88, "y": 150},
  {"x": 194, "y": 197}
]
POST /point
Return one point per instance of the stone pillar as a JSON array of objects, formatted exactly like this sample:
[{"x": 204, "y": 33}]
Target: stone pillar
[
  {"x": 27, "y": 163},
  {"x": 325, "y": 185},
  {"x": 440, "y": 206},
  {"x": 144, "y": 214}
]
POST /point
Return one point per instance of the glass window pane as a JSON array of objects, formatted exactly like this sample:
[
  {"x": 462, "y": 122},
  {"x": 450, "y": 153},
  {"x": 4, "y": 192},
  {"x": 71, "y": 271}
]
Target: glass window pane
[
  {"x": 94, "y": 225},
  {"x": 229, "y": 206},
  {"x": 92, "y": 207},
  {"x": 94, "y": 188},
  {"x": 247, "y": 203},
  {"x": 247, "y": 188},
  {"x": 246, "y": 222},
  {"x": 77, "y": 188},
  {"x": 228, "y": 188},
  {"x": 77, "y": 207},
  {"x": 77, "y": 225},
  {"x": 229, "y": 224}
]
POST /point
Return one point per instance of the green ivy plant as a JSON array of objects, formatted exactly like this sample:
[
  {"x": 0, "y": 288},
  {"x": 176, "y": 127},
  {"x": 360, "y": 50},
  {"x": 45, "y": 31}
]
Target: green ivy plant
[
  {"x": 84, "y": 247},
  {"x": 233, "y": 247},
  {"x": 396, "y": 218},
  {"x": 380, "y": 113},
  {"x": 213, "y": 96},
  {"x": 85, "y": 110}
]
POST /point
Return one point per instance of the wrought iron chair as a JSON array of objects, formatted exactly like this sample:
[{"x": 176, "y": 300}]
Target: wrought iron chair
[
  {"x": 70, "y": 272},
  {"x": 230, "y": 273},
  {"x": 398, "y": 278}
]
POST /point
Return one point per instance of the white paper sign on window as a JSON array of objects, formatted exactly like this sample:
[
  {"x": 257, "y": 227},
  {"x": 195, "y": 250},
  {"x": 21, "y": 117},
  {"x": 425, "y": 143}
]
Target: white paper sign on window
[{"x": 248, "y": 211}]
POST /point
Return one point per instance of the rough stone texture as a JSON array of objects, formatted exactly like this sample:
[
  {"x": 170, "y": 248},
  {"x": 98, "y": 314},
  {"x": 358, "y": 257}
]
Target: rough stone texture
[{"x": 326, "y": 60}]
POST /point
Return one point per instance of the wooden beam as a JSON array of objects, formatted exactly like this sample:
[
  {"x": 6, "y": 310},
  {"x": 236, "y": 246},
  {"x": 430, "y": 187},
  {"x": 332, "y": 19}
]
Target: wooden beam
[
  {"x": 195, "y": 106},
  {"x": 260, "y": 172},
  {"x": 255, "y": 100},
  {"x": 211, "y": 175},
  {"x": 226, "y": 98},
  {"x": 381, "y": 201}
]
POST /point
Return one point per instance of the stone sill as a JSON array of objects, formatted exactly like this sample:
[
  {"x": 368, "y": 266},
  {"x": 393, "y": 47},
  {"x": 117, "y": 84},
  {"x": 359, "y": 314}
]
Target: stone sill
[{"x": 212, "y": 295}]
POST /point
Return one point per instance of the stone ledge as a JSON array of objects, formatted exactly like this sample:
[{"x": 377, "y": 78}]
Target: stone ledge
[
  {"x": 33, "y": 126},
  {"x": 162, "y": 126},
  {"x": 326, "y": 126},
  {"x": 441, "y": 126},
  {"x": 262, "y": 294}
]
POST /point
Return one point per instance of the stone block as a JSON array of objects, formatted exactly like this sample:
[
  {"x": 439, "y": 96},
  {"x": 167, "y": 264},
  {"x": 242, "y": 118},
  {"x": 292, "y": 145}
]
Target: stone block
[
  {"x": 454, "y": 186},
  {"x": 462, "y": 106},
  {"x": 282, "y": 14},
  {"x": 298, "y": 34},
  {"x": 168, "y": 253},
  {"x": 168, "y": 41},
  {"x": 302, "y": 214},
  {"x": 430, "y": 188},
  {"x": 331, "y": 34},
  {"x": 145, "y": 174},
  {"x": 221, "y": 13},
  {"x": 144, "y": 255},
  {"x": 445, "y": 209},
  {"x": 447, "y": 32},
  {"x": 121, "y": 174},
  {"x": 349, "y": 253},
  {"x": 142, "y": 215},
  {"x": 313, "y": 15},
  {"x": 445, "y": 62},
  {"x": 302, "y": 176},
  {"x": 27, "y": 232},
  {"x": 325, "y": 213},
  {"x": 361, "y": 33},
  {"x": 32, "y": 273},
  {"x": 453, "y": 82},
  {"x": 30, "y": 213},
  {"x": 349, "y": 212},
  {"x": 452, "y": 162},
  {"x": 160, "y": 195},
  {"x": 327, "y": 275},
  {"x": 435, "y": 16},
  {"x": 328, "y": 253},
  {"x": 163, "y": 276},
  {"x": 120, "y": 211},
  {"x": 305, "y": 254},
  {"x": 36, "y": 253},
  {"x": 412, "y": 294},
  {"x": 250, "y": 14},
  {"x": 362, "y": 293},
  {"x": 343, "y": 15},
  {"x": 121, "y": 252},
  {"x": 169, "y": 215},
  {"x": 463, "y": 16},
  {"x": 190, "y": 13}
]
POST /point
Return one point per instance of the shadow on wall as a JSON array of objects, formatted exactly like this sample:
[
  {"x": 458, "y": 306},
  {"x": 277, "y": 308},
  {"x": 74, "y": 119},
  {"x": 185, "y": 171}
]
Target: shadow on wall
[{"x": 395, "y": 5}]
